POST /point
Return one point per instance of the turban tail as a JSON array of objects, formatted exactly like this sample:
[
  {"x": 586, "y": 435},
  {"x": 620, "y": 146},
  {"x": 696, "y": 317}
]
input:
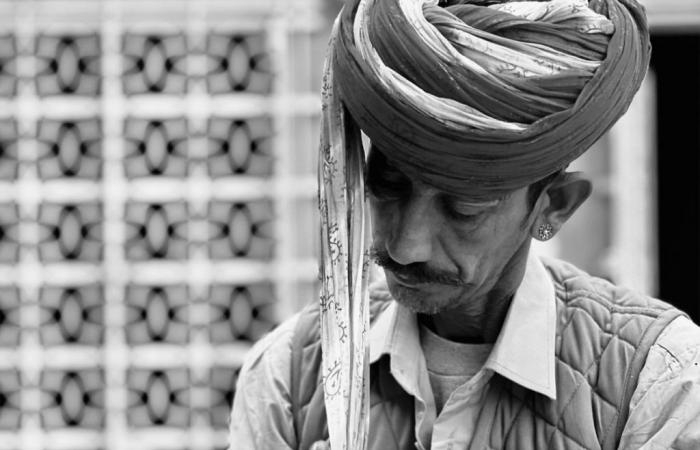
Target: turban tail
[{"x": 474, "y": 97}]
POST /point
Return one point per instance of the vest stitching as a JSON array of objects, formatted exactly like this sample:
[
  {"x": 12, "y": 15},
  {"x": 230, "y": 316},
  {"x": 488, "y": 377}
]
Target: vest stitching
[
  {"x": 546, "y": 419},
  {"x": 561, "y": 281},
  {"x": 602, "y": 330},
  {"x": 554, "y": 426},
  {"x": 561, "y": 418},
  {"x": 564, "y": 435},
  {"x": 597, "y": 356},
  {"x": 570, "y": 319},
  {"x": 594, "y": 364},
  {"x": 515, "y": 418},
  {"x": 609, "y": 304},
  {"x": 612, "y": 310},
  {"x": 593, "y": 391}
]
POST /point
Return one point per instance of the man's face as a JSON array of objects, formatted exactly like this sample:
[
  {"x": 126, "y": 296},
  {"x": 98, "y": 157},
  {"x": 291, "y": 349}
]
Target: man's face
[{"x": 439, "y": 251}]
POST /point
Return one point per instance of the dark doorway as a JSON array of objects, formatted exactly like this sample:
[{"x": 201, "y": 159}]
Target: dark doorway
[{"x": 676, "y": 63}]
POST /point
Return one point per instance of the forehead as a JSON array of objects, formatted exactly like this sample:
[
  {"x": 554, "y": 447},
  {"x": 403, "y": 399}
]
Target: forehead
[{"x": 379, "y": 167}]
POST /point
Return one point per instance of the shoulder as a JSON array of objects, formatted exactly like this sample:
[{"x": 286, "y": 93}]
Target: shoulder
[
  {"x": 261, "y": 415},
  {"x": 681, "y": 338},
  {"x": 665, "y": 406},
  {"x": 272, "y": 352},
  {"x": 677, "y": 350},
  {"x": 576, "y": 287},
  {"x": 616, "y": 320}
]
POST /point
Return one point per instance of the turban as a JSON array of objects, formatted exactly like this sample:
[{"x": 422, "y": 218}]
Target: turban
[
  {"x": 480, "y": 100},
  {"x": 474, "y": 97}
]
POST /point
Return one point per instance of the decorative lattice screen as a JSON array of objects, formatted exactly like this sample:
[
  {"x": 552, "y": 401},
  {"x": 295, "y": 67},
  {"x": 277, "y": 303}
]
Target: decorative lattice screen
[{"x": 156, "y": 211}]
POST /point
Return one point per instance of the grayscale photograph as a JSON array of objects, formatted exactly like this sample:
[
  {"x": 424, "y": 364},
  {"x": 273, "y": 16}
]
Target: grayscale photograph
[{"x": 349, "y": 224}]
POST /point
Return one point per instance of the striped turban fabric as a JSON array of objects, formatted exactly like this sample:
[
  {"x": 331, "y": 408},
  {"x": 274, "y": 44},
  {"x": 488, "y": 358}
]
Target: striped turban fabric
[
  {"x": 474, "y": 97},
  {"x": 479, "y": 100}
]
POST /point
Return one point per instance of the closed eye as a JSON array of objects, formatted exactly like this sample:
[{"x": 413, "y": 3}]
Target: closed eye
[
  {"x": 468, "y": 217},
  {"x": 464, "y": 211}
]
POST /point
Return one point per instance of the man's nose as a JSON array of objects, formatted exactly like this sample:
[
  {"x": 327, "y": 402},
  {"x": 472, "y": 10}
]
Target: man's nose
[{"x": 411, "y": 234}]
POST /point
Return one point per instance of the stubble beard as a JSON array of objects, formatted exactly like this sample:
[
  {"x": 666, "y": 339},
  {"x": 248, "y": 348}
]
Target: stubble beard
[{"x": 420, "y": 304}]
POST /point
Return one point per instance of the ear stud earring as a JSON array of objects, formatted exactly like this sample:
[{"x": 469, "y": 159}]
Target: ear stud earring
[{"x": 545, "y": 232}]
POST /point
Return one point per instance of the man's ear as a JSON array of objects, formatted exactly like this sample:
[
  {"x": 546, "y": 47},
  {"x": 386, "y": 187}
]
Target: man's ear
[{"x": 558, "y": 202}]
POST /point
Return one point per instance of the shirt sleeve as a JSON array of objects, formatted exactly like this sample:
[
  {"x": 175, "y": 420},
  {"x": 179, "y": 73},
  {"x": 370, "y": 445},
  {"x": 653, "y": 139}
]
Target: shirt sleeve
[
  {"x": 261, "y": 417},
  {"x": 665, "y": 407}
]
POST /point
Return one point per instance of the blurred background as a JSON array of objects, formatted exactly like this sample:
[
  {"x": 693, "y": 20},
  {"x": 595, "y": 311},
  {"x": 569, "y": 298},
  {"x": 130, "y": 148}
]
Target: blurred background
[{"x": 157, "y": 204}]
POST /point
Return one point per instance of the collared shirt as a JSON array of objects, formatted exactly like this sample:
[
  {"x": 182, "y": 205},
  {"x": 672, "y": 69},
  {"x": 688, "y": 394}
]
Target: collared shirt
[
  {"x": 664, "y": 410},
  {"x": 529, "y": 362}
]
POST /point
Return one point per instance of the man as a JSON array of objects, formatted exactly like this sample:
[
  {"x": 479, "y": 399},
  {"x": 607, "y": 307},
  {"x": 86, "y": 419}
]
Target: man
[{"x": 474, "y": 109}]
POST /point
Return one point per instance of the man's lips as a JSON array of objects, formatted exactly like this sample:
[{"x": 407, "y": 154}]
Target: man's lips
[
  {"x": 409, "y": 281},
  {"x": 404, "y": 280}
]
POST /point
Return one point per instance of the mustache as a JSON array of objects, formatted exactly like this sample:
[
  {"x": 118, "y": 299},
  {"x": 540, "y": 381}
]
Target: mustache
[{"x": 419, "y": 272}]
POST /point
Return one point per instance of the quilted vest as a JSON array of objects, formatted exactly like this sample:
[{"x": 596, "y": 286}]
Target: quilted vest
[{"x": 603, "y": 335}]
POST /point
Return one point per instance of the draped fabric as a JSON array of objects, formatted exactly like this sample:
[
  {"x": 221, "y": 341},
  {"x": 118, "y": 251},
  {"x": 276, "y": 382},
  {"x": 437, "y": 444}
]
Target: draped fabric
[
  {"x": 474, "y": 97},
  {"x": 344, "y": 300}
]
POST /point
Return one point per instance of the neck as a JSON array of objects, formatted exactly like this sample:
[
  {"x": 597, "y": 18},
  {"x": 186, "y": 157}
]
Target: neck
[{"x": 480, "y": 319}]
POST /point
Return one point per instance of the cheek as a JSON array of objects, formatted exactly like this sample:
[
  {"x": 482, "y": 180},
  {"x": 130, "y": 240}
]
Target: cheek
[
  {"x": 469, "y": 250},
  {"x": 380, "y": 213},
  {"x": 482, "y": 252}
]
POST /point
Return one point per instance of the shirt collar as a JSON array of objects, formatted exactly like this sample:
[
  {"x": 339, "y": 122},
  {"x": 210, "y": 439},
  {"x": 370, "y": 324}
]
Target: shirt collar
[{"x": 524, "y": 349}]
